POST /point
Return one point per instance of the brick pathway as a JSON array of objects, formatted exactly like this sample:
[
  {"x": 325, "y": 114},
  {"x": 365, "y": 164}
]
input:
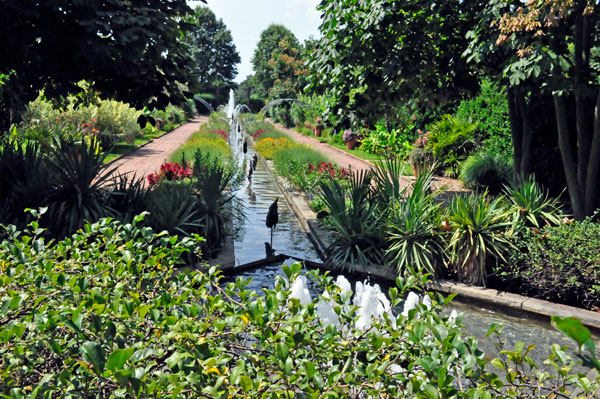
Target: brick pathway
[
  {"x": 148, "y": 158},
  {"x": 344, "y": 159}
]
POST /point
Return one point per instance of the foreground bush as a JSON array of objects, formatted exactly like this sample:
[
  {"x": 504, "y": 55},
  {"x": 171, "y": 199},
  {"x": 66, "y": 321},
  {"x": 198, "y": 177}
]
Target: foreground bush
[{"x": 106, "y": 314}]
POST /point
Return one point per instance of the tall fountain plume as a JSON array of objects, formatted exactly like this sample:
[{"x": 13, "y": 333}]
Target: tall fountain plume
[{"x": 231, "y": 105}]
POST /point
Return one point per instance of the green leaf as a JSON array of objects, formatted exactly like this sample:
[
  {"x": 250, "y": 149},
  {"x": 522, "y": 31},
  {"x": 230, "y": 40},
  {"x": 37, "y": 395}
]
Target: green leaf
[
  {"x": 246, "y": 383},
  {"x": 94, "y": 354},
  {"x": 572, "y": 328},
  {"x": 142, "y": 354},
  {"x": 310, "y": 369},
  {"x": 282, "y": 350},
  {"x": 118, "y": 358}
]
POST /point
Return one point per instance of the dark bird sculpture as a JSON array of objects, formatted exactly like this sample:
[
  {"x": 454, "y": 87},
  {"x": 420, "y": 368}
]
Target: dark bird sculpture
[
  {"x": 272, "y": 218},
  {"x": 245, "y": 146},
  {"x": 254, "y": 161}
]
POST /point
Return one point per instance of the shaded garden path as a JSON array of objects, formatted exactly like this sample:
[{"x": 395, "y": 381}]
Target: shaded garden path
[{"x": 148, "y": 158}]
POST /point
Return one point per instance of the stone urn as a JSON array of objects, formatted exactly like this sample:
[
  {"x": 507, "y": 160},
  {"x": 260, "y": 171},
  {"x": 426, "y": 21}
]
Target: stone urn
[{"x": 318, "y": 127}]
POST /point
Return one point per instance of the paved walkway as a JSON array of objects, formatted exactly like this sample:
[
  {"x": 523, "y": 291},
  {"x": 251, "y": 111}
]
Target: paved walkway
[
  {"x": 337, "y": 156},
  {"x": 344, "y": 159},
  {"x": 147, "y": 159}
]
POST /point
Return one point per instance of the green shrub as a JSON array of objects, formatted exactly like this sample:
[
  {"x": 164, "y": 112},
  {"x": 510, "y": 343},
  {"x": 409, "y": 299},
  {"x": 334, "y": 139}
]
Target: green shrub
[
  {"x": 489, "y": 110},
  {"x": 176, "y": 114},
  {"x": 357, "y": 231},
  {"x": 189, "y": 108},
  {"x": 108, "y": 313},
  {"x": 115, "y": 122},
  {"x": 451, "y": 140},
  {"x": 485, "y": 171},
  {"x": 25, "y": 179},
  {"x": 110, "y": 121},
  {"x": 557, "y": 263}
]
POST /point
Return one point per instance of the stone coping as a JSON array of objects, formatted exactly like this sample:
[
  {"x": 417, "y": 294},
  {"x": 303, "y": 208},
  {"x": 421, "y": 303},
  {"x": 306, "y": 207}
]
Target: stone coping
[{"x": 519, "y": 303}]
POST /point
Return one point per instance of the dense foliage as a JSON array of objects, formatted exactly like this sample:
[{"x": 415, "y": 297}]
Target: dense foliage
[
  {"x": 109, "y": 313},
  {"x": 558, "y": 263},
  {"x": 136, "y": 57},
  {"x": 214, "y": 55}
]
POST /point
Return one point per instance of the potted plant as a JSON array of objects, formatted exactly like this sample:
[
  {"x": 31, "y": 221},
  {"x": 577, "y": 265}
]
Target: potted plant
[
  {"x": 318, "y": 126},
  {"x": 421, "y": 157},
  {"x": 350, "y": 139}
]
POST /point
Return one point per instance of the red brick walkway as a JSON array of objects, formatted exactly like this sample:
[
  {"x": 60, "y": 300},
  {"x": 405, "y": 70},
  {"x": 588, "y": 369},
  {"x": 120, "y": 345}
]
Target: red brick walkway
[
  {"x": 148, "y": 158},
  {"x": 343, "y": 159}
]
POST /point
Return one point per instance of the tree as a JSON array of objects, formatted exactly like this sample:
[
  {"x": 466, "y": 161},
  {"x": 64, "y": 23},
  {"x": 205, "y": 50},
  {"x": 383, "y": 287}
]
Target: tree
[
  {"x": 130, "y": 50},
  {"x": 214, "y": 53},
  {"x": 270, "y": 41},
  {"x": 376, "y": 55},
  {"x": 549, "y": 47}
]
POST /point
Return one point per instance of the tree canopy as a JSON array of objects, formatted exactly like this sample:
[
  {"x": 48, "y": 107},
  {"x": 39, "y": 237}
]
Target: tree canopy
[
  {"x": 374, "y": 55},
  {"x": 130, "y": 50},
  {"x": 214, "y": 54},
  {"x": 275, "y": 42}
]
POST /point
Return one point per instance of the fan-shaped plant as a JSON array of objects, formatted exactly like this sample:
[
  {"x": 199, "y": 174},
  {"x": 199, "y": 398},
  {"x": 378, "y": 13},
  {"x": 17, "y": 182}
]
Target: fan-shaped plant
[
  {"x": 532, "y": 205},
  {"x": 479, "y": 234},
  {"x": 416, "y": 242}
]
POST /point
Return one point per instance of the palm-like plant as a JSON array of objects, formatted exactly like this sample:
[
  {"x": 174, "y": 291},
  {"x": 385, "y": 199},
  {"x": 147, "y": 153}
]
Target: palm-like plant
[
  {"x": 532, "y": 205},
  {"x": 357, "y": 232},
  {"x": 387, "y": 177},
  {"x": 24, "y": 179},
  {"x": 211, "y": 182},
  {"x": 480, "y": 228},
  {"x": 81, "y": 178},
  {"x": 128, "y": 195},
  {"x": 414, "y": 231},
  {"x": 173, "y": 207}
]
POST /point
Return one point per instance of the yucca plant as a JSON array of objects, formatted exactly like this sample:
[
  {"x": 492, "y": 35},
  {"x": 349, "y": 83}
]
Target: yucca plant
[
  {"x": 174, "y": 207},
  {"x": 415, "y": 237},
  {"x": 212, "y": 181},
  {"x": 357, "y": 233},
  {"x": 128, "y": 195},
  {"x": 24, "y": 179},
  {"x": 387, "y": 177},
  {"x": 480, "y": 229},
  {"x": 81, "y": 178},
  {"x": 532, "y": 205}
]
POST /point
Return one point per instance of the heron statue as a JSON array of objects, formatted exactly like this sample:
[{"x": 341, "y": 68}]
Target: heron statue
[{"x": 272, "y": 218}]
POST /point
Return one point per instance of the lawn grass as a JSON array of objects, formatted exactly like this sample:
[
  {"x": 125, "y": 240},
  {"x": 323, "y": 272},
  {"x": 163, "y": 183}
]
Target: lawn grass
[{"x": 209, "y": 144}]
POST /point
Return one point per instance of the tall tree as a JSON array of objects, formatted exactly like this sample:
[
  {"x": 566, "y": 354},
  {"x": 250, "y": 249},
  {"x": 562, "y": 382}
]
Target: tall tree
[
  {"x": 130, "y": 49},
  {"x": 374, "y": 55},
  {"x": 214, "y": 53},
  {"x": 271, "y": 40},
  {"x": 550, "y": 46}
]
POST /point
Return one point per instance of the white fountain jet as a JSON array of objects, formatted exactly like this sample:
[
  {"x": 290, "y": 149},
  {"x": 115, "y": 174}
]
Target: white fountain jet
[{"x": 231, "y": 105}]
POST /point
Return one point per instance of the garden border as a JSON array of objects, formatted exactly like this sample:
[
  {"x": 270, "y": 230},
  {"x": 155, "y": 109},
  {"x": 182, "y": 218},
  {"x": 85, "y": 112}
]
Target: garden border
[{"x": 539, "y": 308}]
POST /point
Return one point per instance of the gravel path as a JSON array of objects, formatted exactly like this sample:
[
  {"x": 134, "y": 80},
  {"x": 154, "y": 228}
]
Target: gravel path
[{"x": 147, "y": 159}]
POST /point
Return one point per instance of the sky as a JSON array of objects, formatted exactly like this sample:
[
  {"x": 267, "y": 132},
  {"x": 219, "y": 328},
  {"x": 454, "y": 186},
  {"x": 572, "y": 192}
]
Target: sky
[{"x": 248, "y": 18}]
